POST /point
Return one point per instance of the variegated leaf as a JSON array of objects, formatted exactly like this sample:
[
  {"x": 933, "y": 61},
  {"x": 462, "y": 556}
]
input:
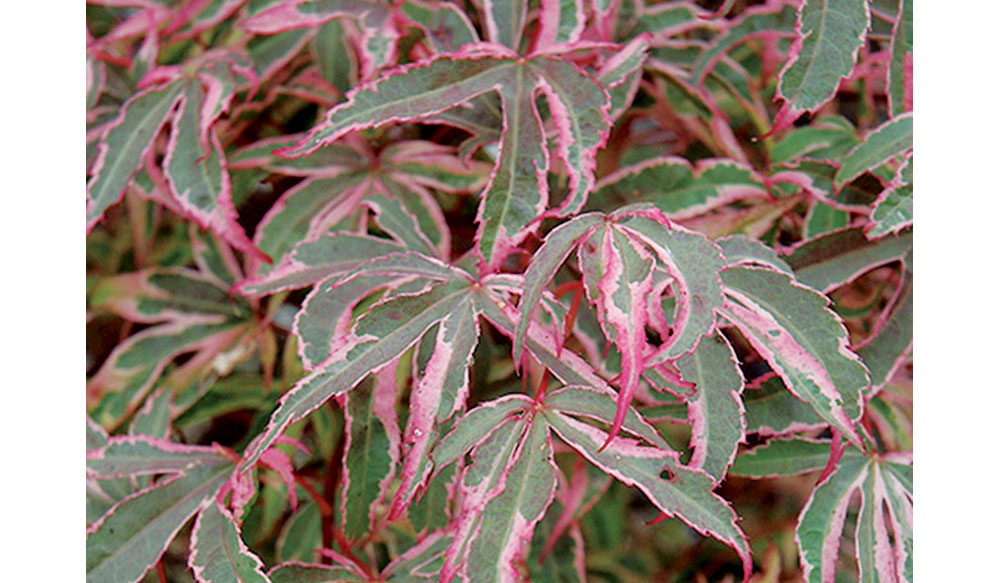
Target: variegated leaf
[
  {"x": 892, "y": 211},
  {"x": 446, "y": 27},
  {"x": 900, "y": 70},
  {"x": 518, "y": 191},
  {"x": 772, "y": 410},
  {"x": 802, "y": 339},
  {"x": 834, "y": 259},
  {"x": 828, "y": 36},
  {"x": 378, "y": 338},
  {"x": 888, "y": 348},
  {"x": 292, "y": 572},
  {"x": 198, "y": 179},
  {"x": 695, "y": 263},
  {"x": 886, "y": 487},
  {"x": 135, "y": 455},
  {"x": 620, "y": 293},
  {"x": 741, "y": 250},
  {"x": 508, "y": 520},
  {"x": 890, "y": 139},
  {"x": 218, "y": 553},
  {"x": 439, "y": 394},
  {"x": 481, "y": 482},
  {"x": 311, "y": 262},
  {"x": 680, "y": 189},
  {"x": 132, "y": 536},
  {"x": 675, "y": 489},
  {"x": 123, "y": 144},
  {"x": 782, "y": 457},
  {"x": 371, "y": 451},
  {"x": 476, "y": 426},
  {"x": 559, "y": 243},
  {"x": 825, "y": 139},
  {"x": 716, "y": 411},
  {"x": 772, "y": 18}
]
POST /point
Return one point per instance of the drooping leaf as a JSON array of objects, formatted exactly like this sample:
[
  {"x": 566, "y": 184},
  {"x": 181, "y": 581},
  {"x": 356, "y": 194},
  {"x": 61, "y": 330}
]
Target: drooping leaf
[
  {"x": 802, "y": 340},
  {"x": 559, "y": 243},
  {"x": 695, "y": 263},
  {"x": 198, "y": 179},
  {"x": 439, "y": 394},
  {"x": 828, "y": 36},
  {"x": 218, "y": 553},
  {"x": 716, "y": 412},
  {"x": 890, "y": 139},
  {"x": 621, "y": 294}
]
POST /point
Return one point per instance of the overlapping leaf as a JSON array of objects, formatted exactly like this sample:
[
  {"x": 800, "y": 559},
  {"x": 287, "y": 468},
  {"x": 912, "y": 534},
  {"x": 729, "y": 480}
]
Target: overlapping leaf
[
  {"x": 518, "y": 190},
  {"x": 886, "y": 486},
  {"x": 802, "y": 340}
]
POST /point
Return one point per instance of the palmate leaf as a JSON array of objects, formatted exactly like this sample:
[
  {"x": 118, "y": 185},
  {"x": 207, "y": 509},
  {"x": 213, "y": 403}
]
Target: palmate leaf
[
  {"x": 378, "y": 337},
  {"x": 518, "y": 191},
  {"x": 828, "y": 36},
  {"x": 132, "y": 536},
  {"x": 343, "y": 181},
  {"x": 192, "y": 313},
  {"x": 886, "y": 487},
  {"x": 803, "y": 341},
  {"x": 630, "y": 238}
]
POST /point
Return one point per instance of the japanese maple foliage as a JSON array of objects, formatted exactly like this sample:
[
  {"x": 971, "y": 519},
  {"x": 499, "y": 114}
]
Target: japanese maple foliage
[{"x": 470, "y": 291}]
